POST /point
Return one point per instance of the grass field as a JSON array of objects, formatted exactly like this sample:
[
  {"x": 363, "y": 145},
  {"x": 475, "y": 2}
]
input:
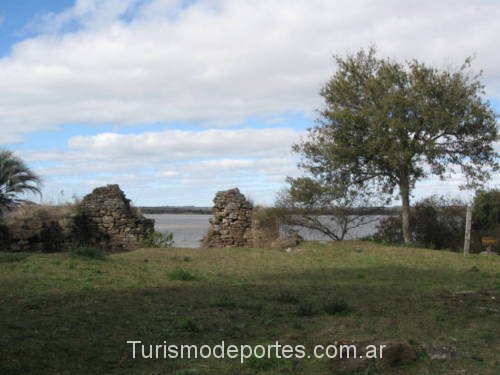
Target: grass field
[{"x": 62, "y": 314}]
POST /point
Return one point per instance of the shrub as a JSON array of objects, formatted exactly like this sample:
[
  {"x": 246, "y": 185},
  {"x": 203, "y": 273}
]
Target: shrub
[
  {"x": 485, "y": 216},
  {"x": 486, "y": 212},
  {"x": 180, "y": 274},
  {"x": 90, "y": 252},
  {"x": 436, "y": 222},
  {"x": 158, "y": 240},
  {"x": 389, "y": 230}
]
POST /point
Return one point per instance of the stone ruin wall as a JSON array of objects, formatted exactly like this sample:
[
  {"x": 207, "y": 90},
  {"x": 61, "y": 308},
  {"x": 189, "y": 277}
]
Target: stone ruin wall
[
  {"x": 111, "y": 221},
  {"x": 231, "y": 224},
  {"x": 236, "y": 223},
  {"x": 104, "y": 218}
]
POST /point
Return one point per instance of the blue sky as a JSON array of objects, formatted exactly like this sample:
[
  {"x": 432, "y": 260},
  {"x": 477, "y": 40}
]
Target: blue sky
[{"x": 175, "y": 100}]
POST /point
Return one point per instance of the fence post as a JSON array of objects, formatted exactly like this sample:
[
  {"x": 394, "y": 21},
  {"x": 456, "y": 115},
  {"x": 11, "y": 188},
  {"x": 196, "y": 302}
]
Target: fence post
[{"x": 468, "y": 223}]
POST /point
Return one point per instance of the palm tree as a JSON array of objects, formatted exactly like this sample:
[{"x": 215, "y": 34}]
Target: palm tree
[{"x": 15, "y": 179}]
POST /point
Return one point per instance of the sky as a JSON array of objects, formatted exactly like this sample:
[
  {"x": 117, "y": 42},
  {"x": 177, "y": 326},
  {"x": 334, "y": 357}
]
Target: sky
[{"x": 176, "y": 100}]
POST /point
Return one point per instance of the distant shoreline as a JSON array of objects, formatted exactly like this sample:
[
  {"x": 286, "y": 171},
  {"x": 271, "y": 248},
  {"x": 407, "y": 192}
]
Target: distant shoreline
[
  {"x": 176, "y": 210},
  {"x": 208, "y": 210}
]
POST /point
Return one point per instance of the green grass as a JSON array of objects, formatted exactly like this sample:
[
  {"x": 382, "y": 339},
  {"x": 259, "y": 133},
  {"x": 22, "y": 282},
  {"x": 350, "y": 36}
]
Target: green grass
[{"x": 61, "y": 314}]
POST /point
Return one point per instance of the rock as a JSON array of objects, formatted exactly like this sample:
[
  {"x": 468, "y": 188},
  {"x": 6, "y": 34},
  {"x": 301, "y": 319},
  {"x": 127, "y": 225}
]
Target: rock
[
  {"x": 441, "y": 352},
  {"x": 395, "y": 353}
]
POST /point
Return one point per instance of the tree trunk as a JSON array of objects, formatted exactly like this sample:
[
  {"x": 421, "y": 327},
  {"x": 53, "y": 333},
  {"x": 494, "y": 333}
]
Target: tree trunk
[{"x": 404, "y": 189}]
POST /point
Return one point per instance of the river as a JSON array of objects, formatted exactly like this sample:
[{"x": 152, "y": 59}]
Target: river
[{"x": 189, "y": 229}]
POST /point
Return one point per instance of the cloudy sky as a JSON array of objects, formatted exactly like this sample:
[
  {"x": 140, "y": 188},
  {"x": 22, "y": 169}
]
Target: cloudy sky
[{"x": 175, "y": 100}]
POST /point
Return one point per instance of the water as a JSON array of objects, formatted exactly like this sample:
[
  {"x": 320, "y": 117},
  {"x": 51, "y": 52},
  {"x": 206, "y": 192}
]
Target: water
[
  {"x": 189, "y": 229},
  {"x": 367, "y": 228}
]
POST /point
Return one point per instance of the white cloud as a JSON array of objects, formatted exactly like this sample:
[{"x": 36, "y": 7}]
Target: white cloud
[
  {"x": 257, "y": 160},
  {"x": 219, "y": 61}
]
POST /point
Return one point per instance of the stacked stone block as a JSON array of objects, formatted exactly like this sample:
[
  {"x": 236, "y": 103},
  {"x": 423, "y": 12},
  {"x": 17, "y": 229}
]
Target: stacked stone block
[
  {"x": 231, "y": 224},
  {"x": 111, "y": 221}
]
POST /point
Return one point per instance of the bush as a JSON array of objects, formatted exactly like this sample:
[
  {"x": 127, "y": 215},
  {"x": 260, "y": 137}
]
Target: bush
[
  {"x": 436, "y": 222},
  {"x": 486, "y": 212},
  {"x": 90, "y": 252},
  {"x": 158, "y": 240},
  {"x": 485, "y": 216}
]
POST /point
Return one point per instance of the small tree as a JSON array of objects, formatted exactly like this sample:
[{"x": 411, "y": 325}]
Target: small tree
[
  {"x": 15, "y": 179},
  {"x": 307, "y": 202},
  {"x": 388, "y": 124}
]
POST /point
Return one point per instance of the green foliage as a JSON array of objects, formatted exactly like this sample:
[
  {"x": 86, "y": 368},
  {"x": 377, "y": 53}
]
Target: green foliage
[
  {"x": 337, "y": 306},
  {"x": 437, "y": 223},
  {"x": 180, "y": 274},
  {"x": 158, "y": 240},
  {"x": 90, "y": 252},
  {"x": 486, "y": 214},
  {"x": 385, "y": 121},
  {"x": 15, "y": 179}
]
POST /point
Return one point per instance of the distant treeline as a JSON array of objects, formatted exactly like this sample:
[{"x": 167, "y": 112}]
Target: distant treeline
[
  {"x": 362, "y": 211},
  {"x": 208, "y": 210},
  {"x": 176, "y": 210}
]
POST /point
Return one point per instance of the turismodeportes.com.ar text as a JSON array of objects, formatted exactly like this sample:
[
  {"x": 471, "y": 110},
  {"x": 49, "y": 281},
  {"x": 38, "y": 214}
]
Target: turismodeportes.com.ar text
[{"x": 243, "y": 352}]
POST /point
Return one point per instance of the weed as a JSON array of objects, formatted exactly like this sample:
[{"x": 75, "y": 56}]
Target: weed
[{"x": 158, "y": 240}]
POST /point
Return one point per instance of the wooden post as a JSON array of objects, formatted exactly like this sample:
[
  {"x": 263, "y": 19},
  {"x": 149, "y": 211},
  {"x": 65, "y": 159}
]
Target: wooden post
[{"x": 468, "y": 223}]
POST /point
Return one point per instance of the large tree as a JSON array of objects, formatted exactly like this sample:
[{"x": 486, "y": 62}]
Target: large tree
[
  {"x": 15, "y": 180},
  {"x": 388, "y": 124}
]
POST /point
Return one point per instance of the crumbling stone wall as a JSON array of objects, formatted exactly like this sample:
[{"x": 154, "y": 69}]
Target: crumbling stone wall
[
  {"x": 110, "y": 220},
  {"x": 231, "y": 224}
]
